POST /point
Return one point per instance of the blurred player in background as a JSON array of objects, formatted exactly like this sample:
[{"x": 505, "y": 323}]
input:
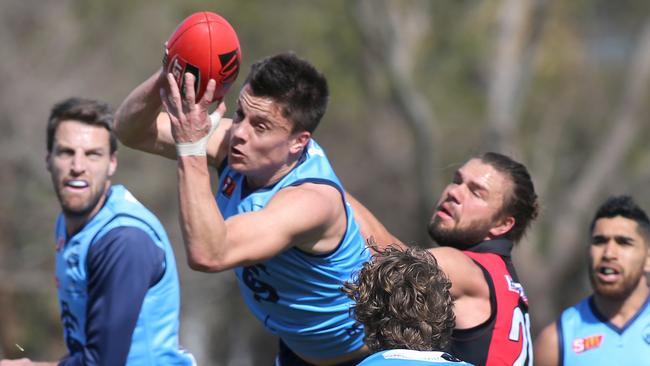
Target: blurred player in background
[
  {"x": 612, "y": 326},
  {"x": 280, "y": 218},
  {"x": 402, "y": 298},
  {"x": 115, "y": 269},
  {"x": 479, "y": 217}
]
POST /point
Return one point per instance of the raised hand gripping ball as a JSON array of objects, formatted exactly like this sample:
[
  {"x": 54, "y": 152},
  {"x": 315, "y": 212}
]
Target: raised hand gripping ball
[{"x": 206, "y": 45}]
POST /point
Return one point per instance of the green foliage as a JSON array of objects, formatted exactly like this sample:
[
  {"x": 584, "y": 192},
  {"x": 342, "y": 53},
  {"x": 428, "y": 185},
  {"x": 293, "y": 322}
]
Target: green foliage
[{"x": 569, "y": 99}]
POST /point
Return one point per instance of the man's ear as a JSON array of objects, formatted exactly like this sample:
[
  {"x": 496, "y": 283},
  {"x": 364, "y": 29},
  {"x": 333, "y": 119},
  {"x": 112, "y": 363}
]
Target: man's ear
[
  {"x": 502, "y": 227},
  {"x": 646, "y": 268},
  {"x": 299, "y": 141},
  {"x": 112, "y": 165},
  {"x": 48, "y": 163}
]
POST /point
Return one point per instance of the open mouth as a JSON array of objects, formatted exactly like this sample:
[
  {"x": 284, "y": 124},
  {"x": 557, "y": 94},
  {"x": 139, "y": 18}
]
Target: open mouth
[
  {"x": 443, "y": 212},
  {"x": 236, "y": 152},
  {"x": 607, "y": 271},
  {"x": 607, "y": 274},
  {"x": 76, "y": 184}
]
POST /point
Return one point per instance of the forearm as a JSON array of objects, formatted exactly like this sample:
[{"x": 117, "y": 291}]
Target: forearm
[
  {"x": 136, "y": 116},
  {"x": 372, "y": 230},
  {"x": 202, "y": 224}
]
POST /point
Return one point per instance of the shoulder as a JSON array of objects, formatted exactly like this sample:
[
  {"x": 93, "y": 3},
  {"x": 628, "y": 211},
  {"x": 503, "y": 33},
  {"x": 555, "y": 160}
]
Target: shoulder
[
  {"x": 455, "y": 263},
  {"x": 576, "y": 312},
  {"x": 125, "y": 241},
  {"x": 549, "y": 333},
  {"x": 125, "y": 253},
  {"x": 316, "y": 195},
  {"x": 410, "y": 357},
  {"x": 449, "y": 254},
  {"x": 547, "y": 346},
  {"x": 467, "y": 277},
  {"x": 122, "y": 235}
]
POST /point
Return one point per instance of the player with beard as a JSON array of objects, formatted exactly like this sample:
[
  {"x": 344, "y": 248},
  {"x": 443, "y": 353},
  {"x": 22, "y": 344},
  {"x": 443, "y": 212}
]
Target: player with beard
[
  {"x": 480, "y": 216},
  {"x": 115, "y": 270},
  {"x": 612, "y": 326}
]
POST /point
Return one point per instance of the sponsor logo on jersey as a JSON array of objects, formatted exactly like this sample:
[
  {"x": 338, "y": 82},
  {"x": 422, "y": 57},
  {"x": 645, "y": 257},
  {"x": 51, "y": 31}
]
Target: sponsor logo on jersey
[
  {"x": 516, "y": 287},
  {"x": 60, "y": 242},
  {"x": 580, "y": 345},
  {"x": 228, "y": 187}
]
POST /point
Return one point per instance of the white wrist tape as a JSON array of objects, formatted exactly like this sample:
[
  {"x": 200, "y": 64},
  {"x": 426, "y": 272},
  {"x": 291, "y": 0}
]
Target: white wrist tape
[{"x": 198, "y": 148}]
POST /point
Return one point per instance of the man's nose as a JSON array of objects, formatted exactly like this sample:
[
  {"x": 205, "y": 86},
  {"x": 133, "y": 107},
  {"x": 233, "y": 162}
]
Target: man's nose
[
  {"x": 78, "y": 163},
  {"x": 611, "y": 250},
  {"x": 455, "y": 192},
  {"x": 239, "y": 130}
]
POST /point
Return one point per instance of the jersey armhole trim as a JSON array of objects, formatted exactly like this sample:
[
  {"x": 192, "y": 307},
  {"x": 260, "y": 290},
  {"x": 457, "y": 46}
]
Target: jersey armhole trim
[
  {"x": 560, "y": 341},
  {"x": 468, "y": 333}
]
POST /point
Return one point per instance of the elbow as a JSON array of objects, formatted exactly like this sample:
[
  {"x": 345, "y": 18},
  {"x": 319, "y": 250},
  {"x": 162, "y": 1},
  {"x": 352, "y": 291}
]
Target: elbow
[
  {"x": 205, "y": 264},
  {"x": 122, "y": 134},
  {"x": 128, "y": 142},
  {"x": 127, "y": 132}
]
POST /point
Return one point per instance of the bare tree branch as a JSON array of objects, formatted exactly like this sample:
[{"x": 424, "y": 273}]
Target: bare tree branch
[
  {"x": 563, "y": 246},
  {"x": 604, "y": 162},
  {"x": 394, "y": 32},
  {"x": 506, "y": 74}
]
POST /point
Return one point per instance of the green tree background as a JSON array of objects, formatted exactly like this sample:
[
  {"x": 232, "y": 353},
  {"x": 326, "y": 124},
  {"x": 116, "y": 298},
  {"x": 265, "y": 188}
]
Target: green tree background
[{"x": 417, "y": 87}]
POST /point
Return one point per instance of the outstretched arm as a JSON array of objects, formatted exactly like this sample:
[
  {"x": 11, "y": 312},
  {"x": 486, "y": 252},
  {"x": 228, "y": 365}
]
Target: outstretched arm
[
  {"x": 372, "y": 230},
  {"x": 140, "y": 124}
]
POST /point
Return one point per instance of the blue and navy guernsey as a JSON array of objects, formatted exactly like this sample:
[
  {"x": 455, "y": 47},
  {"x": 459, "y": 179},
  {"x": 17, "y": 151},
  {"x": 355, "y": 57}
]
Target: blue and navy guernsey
[
  {"x": 407, "y": 357},
  {"x": 587, "y": 338},
  {"x": 119, "y": 265},
  {"x": 297, "y": 295}
]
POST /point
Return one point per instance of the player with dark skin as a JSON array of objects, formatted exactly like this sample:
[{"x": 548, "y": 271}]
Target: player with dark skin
[{"x": 619, "y": 261}]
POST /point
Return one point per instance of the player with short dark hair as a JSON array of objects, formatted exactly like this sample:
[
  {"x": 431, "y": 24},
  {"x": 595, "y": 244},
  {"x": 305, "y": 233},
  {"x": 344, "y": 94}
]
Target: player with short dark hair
[
  {"x": 612, "y": 326},
  {"x": 280, "y": 218}
]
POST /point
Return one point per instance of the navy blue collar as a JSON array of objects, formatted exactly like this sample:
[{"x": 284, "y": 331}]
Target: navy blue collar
[{"x": 607, "y": 322}]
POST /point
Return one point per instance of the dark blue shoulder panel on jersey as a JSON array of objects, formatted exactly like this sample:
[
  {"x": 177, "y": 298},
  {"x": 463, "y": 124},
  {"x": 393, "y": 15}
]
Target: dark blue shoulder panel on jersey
[{"x": 121, "y": 267}]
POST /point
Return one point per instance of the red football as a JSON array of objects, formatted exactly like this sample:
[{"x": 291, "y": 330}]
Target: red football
[{"x": 206, "y": 45}]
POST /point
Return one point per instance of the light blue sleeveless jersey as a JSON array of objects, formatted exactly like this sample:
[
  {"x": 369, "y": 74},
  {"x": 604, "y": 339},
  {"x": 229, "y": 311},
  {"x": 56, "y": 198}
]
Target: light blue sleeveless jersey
[
  {"x": 585, "y": 338},
  {"x": 407, "y": 357},
  {"x": 155, "y": 337},
  {"x": 297, "y": 295}
]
